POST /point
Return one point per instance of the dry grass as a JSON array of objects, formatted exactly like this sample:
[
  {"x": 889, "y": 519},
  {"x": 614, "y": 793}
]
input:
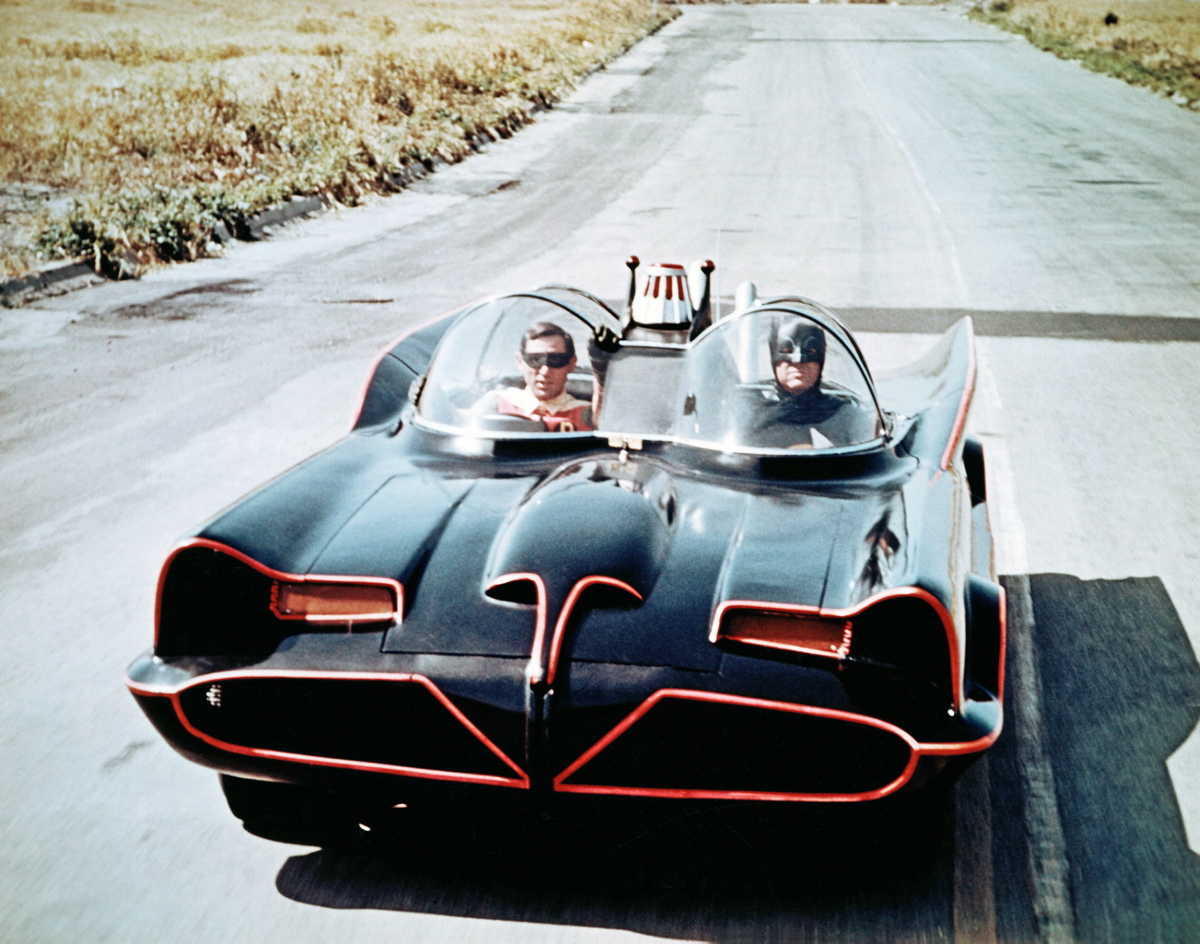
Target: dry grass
[
  {"x": 163, "y": 117},
  {"x": 1155, "y": 43}
]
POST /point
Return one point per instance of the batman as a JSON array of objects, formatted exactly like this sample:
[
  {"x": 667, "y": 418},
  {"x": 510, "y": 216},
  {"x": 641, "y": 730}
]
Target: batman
[{"x": 800, "y": 410}]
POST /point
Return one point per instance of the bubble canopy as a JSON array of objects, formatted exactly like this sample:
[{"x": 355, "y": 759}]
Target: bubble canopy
[{"x": 783, "y": 376}]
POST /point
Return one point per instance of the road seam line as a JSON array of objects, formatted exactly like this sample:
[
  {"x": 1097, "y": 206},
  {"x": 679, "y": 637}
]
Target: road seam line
[
  {"x": 974, "y": 874},
  {"x": 1046, "y": 849}
]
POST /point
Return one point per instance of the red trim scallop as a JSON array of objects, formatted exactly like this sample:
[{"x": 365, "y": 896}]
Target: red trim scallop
[
  {"x": 536, "y": 671},
  {"x": 848, "y": 613},
  {"x": 394, "y": 585},
  {"x": 560, "y": 627}
]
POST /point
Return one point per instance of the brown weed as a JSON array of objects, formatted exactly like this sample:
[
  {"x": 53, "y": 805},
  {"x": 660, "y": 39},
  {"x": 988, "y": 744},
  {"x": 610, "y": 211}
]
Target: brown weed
[{"x": 164, "y": 126}]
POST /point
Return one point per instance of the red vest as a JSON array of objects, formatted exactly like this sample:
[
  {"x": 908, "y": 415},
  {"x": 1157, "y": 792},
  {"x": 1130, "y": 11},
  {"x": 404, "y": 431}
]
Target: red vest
[{"x": 568, "y": 421}]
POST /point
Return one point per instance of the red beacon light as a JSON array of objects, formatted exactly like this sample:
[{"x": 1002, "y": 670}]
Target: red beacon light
[
  {"x": 664, "y": 300},
  {"x": 663, "y": 304}
]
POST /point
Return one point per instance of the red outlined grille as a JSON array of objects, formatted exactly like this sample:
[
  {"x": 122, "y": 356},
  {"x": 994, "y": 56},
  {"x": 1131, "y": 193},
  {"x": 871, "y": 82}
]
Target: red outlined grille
[
  {"x": 401, "y": 724},
  {"x": 682, "y": 744}
]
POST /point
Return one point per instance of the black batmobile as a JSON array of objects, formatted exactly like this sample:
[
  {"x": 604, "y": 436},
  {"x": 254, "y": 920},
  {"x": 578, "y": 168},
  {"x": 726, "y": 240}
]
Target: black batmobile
[{"x": 569, "y": 550}]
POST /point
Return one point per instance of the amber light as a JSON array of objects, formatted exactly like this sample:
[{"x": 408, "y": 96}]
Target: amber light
[
  {"x": 333, "y": 602},
  {"x": 812, "y": 635}
]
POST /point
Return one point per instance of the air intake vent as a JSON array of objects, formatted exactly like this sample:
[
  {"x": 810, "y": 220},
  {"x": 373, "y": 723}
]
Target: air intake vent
[
  {"x": 352, "y": 720},
  {"x": 689, "y": 743}
]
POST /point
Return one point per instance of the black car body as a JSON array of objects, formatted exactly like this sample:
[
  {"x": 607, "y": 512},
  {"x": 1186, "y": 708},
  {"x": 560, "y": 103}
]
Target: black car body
[{"x": 458, "y": 600}]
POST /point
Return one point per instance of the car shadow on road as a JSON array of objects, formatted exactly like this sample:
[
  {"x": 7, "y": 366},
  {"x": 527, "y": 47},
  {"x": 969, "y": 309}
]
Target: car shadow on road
[
  {"x": 701, "y": 873},
  {"x": 1120, "y": 693}
]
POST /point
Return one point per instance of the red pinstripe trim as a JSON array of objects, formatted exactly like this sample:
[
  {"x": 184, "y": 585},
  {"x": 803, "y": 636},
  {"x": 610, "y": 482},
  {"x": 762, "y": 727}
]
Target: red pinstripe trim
[
  {"x": 266, "y": 571},
  {"x": 535, "y": 672},
  {"x": 644, "y": 707},
  {"x": 964, "y": 405},
  {"x": 853, "y": 611},
  {"x": 521, "y": 781},
  {"x": 404, "y": 335},
  {"x": 560, "y": 628},
  {"x": 1003, "y": 645},
  {"x": 954, "y": 748},
  {"x": 981, "y": 744}
]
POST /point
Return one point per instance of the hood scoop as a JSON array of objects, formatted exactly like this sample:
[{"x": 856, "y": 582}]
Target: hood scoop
[{"x": 596, "y": 518}]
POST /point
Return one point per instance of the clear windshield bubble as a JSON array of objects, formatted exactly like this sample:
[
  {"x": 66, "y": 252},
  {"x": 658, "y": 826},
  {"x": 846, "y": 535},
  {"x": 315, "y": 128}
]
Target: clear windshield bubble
[
  {"x": 518, "y": 364},
  {"x": 775, "y": 380},
  {"x": 764, "y": 380}
]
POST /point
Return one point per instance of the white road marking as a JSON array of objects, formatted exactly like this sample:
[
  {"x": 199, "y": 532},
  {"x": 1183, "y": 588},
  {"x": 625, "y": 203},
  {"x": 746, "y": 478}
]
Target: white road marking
[
  {"x": 949, "y": 249},
  {"x": 1050, "y": 890},
  {"x": 987, "y": 425}
]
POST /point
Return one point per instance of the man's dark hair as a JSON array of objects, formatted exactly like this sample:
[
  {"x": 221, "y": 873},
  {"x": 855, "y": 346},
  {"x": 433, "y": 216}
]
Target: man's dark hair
[{"x": 548, "y": 329}]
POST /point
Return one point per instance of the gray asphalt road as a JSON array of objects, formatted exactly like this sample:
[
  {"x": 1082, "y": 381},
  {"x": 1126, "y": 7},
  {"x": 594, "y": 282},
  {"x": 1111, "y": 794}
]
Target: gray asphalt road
[{"x": 902, "y": 163}]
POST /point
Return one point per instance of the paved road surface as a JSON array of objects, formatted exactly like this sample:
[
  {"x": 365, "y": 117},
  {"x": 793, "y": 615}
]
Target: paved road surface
[{"x": 902, "y": 163}]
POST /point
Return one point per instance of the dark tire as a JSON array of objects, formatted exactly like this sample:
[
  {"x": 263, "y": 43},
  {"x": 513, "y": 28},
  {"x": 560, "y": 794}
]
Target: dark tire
[
  {"x": 286, "y": 812},
  {"x": 914, "y": 827}
]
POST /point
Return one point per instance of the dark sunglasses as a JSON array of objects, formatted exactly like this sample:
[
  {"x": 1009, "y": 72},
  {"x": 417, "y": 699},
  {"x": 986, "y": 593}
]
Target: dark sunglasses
[
  {"x": 555, "y": 359},
  {"x": 787, "y": 352}
]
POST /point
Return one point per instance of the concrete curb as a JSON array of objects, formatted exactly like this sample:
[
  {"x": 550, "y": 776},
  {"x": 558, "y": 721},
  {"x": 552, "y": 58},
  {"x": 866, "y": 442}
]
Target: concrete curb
[
  {"x": 261, "y": 224},
  {"x": 58, "y": 278}
]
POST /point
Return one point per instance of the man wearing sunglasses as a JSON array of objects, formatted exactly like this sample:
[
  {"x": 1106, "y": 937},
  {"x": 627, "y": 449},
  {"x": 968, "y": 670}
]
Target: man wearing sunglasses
[{"x": 546, "y": 358}]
